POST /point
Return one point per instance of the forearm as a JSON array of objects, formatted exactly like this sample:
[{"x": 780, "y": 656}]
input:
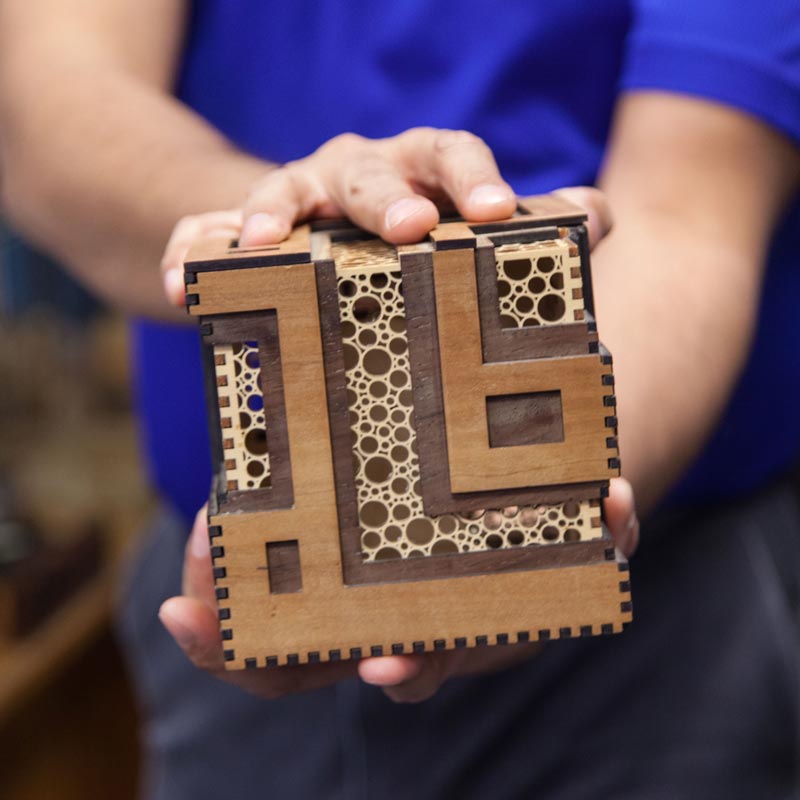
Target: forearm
[
  {"x": 678, "y": 348},
  {"x": 98, "y": 170},
  {"x": 677, "y": 282}
]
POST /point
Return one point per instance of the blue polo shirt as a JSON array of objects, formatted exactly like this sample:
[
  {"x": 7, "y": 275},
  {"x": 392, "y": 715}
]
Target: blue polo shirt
[{"x": 539, "y": 82}]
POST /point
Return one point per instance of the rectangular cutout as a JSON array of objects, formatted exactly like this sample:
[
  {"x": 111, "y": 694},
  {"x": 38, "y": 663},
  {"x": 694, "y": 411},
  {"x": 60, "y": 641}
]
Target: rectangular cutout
[
  {"x": 531, "y": 418},
  {"x": 252, "y": 411},
  {"x": 283, "y": 567},
  {"x": 242, "y": 415}
]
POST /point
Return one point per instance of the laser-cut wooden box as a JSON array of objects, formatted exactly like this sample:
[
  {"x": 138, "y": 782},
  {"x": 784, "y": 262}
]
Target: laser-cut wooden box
[{"x": 412, "y": 443}]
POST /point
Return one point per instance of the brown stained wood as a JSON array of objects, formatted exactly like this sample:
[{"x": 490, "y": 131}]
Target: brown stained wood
[
  {"x": 312, "y": 521},
  {"x": 533, "y": 418},
  {"x": 283, "y": 567},
  {"x": 327, "y": 616},
  {"x": 520, "y": 344},
  {"x": 263, "y": 329},
  {"x": 486, "y": 562},
  {"x": 338, "y": 413},
  {"x": 450, "y": 235},
  {"x": 356, "y": 570},
  {"x": 423, "y": 348},
  {"x": 467, "y": 381}
]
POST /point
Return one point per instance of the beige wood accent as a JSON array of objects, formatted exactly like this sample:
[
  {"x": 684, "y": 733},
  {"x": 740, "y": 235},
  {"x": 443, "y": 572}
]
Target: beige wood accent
[
  {"x": 368, "y": 257},
  {"x": 243, "y": 469},
  {"x": 467, "y": 381},
  {"x": 561, "y": 284}
]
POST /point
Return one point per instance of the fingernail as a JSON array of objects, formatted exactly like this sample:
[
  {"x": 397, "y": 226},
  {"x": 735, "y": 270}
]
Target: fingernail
[
  {"x": 179, "y": 632},
  {"x": 490, "y": 194},
  {"x": 174, "y": 286},
  {"x": 400, "y": 211},
  {"x": 262, "y": 228}
]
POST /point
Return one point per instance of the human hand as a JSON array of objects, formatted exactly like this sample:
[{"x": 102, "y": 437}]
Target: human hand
[{"x": 392, "y": 187}]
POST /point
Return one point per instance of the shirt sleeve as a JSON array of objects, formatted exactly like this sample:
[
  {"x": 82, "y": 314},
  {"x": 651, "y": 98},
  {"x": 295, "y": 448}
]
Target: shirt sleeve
[{"x": 744, "y": 53}]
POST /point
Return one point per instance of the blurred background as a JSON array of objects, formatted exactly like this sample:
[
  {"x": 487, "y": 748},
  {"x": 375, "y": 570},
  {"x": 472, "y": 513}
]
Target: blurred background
[{"x": 72, "y": 497}]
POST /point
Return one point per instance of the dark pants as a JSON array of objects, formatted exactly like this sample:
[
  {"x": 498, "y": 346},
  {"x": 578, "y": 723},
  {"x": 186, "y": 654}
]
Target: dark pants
[{"x": 699, "y": 698}]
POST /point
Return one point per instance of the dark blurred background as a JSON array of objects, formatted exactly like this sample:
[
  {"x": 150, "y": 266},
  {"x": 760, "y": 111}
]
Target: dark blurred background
[{"x": 72, "y": 497}]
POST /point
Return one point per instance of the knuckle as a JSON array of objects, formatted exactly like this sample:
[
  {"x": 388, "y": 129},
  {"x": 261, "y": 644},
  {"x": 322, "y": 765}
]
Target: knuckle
[
  {"x": 343, "y": 142},
  {"x": 446, "y": 141},
  {"x": 418, "y": 136},
  {"x": 186, "y": 226}
]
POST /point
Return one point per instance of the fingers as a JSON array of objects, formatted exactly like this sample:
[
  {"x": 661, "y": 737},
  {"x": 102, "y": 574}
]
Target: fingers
[
  {"x": 195, "y": 628},
  {"x": 193, "y": 622},
  {"x": 186, "y": 232},
  {"x": 283, "y": 197},
  {"x": 377, "y": 197},
  {"x": 620, "y": 511},
  {"x": 410, "y": 679},
  {"x": 198, "y": 573},
  {"x": 384, "y": 186},
  {"x": 390, "y": 670},
  {"x": 594, "y": 202},
  {"x": 462, "y": 166}
]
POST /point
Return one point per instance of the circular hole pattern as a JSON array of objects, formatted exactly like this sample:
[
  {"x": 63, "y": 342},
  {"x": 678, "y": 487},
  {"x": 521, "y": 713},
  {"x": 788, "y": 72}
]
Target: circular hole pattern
[{"x": 532, "y": 283}]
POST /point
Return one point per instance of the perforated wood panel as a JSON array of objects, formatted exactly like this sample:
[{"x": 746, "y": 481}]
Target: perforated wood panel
[
  {"x": 241, "y": 406},
  {"x": 539, "y": 283}
]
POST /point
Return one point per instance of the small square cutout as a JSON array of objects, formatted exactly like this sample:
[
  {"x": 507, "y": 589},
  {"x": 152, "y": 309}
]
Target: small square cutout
[
  {"x": 521, "y": 419},
  {"x": 283, "y": 567}
]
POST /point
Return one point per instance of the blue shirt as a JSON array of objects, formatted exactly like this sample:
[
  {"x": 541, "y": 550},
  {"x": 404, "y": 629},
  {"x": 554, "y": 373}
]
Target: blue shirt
[{"x": 538, "y": 81}]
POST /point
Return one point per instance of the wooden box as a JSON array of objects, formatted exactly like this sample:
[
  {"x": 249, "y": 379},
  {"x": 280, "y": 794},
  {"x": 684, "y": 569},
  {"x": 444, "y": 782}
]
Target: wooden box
[{"x": 411, "y": 443}]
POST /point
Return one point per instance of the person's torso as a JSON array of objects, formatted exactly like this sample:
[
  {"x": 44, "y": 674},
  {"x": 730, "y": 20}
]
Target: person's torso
[{"x": 538, "y": 83}]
